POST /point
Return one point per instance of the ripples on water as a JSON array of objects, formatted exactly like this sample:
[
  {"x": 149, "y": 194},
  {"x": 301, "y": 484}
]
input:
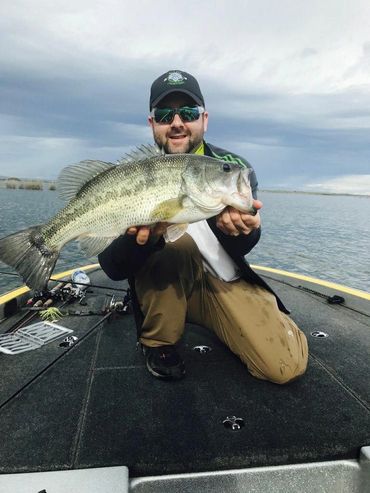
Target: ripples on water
[
  {"x": 24, "y": 208},
  {"x": 324, "y": 236}
]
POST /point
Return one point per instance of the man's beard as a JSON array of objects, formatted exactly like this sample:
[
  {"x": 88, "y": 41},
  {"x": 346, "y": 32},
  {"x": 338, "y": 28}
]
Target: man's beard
[{"x": 191, "y": 145}]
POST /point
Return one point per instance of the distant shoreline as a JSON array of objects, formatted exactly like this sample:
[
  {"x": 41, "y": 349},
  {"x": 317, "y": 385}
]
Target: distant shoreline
[
  {"x": 48, "y": 183},
  {"x": 305, "y": 192}
]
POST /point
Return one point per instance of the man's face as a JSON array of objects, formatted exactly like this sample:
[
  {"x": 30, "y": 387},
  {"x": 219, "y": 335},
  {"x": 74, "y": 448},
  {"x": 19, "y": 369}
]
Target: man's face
[{"x": 178, "y": 136}]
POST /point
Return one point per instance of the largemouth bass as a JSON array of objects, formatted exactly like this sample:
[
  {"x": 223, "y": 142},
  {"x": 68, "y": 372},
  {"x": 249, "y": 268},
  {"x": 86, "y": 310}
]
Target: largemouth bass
[{"x": 105, "y": 199}]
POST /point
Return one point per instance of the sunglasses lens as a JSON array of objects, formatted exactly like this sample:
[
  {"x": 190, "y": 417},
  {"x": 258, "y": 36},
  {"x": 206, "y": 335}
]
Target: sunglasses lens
[
  {"x": 164, "y": 115},
  {"x": 188, "y": 114}
]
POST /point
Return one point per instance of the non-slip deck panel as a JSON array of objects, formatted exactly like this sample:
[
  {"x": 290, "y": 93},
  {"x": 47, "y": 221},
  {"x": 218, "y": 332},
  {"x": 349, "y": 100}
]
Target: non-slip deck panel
[
  {"x": 346, "y": 352},
  {"x": 98, "y": 405},
  {"x": 39, "y": 427},
  {"x": 172, "y": 428},
  {"x": 17, "y": 370}
]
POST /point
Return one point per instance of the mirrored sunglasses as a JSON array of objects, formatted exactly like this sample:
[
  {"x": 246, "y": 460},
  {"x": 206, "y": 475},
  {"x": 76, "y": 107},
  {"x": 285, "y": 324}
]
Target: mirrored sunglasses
[{"x": 186, "y": 113}]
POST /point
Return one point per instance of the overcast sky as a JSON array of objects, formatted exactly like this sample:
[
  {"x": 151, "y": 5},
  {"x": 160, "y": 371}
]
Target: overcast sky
[{"x": 286, "y": 83}]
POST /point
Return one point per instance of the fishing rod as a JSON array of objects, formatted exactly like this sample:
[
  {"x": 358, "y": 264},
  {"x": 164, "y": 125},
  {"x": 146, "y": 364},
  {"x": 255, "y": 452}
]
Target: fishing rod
[
  {"x": 62, "y": 355},
  {"x": 66, "y": 292},
  {"x": 76, "y": 283},
  {"x": 41, "y": 302}
]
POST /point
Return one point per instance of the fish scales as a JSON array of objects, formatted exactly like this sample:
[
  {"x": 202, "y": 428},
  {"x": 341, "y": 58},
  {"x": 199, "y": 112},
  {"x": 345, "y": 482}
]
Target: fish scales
[
  {"x": 106, "y": 199},
  {"x": 118, "y": 198}
]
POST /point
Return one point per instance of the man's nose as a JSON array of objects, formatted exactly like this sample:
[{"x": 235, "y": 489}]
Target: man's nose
[{"x": 177, "y": 122}]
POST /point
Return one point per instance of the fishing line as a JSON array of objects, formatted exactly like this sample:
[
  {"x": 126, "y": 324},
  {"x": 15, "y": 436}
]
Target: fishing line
[
  {"x": 50, "y": 365},
  {"x": 9, "y": 274},
  {"x": 75, "y": 283},
  {"x": 316, "y": 293},
  {"x": 89, "y": 285}
]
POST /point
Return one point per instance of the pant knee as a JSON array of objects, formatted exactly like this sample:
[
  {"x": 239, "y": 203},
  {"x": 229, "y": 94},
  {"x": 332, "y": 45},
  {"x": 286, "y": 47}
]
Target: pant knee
[
  {"x": 284, "y": 379},
  {"x": 170, "y": 262},
  {"x": 278, "y": 371},
  {"x": 283, "y": 374}
]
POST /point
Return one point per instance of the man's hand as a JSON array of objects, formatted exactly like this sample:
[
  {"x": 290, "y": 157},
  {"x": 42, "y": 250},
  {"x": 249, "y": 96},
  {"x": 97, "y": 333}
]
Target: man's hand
[
  {"x": 144, "y": 232},
  {"x": 233, "y": 222}
]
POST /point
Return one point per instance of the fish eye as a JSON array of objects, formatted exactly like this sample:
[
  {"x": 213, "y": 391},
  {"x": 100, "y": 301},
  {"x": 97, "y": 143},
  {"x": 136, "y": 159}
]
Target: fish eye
[{"x": 226, "y": 167}]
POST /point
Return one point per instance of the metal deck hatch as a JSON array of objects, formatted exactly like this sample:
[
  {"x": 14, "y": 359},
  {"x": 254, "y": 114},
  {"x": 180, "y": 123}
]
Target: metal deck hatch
[{"x": 31, "y": 337}]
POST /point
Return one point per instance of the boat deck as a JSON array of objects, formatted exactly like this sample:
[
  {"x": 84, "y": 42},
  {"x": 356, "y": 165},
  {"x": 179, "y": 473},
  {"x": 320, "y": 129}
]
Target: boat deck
[{"x": 95, "y": 404}]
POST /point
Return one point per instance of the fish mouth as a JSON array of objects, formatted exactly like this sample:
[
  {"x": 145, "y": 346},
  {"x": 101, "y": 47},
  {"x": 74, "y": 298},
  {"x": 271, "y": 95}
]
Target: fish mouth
[
  {"x": 240, "y": 201},
  {"x": 244, "y": 187}
]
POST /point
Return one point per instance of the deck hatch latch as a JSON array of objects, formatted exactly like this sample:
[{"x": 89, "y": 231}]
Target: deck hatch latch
[
  {"x": 202, "y": 349},
  {"x": 69, "y": 341},
  {"x": 319, "y": 334},
  {"x": 233, "y": 423}
]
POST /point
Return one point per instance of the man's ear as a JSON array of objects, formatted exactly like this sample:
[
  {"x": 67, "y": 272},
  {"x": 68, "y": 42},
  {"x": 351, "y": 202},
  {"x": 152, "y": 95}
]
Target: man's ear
[{"x": 205, "y": 121}]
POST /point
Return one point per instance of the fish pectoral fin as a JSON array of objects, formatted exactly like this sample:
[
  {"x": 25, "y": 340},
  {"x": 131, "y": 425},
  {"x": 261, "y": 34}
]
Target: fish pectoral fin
[
  {"x": 166, "y": 210},
  {"x": 92, "y": 245},
  {"x": 174, "y": 232}
]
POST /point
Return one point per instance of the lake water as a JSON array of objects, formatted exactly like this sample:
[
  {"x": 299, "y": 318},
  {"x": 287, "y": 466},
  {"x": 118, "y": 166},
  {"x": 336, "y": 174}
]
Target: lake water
[{"x": 324, "y": 236}]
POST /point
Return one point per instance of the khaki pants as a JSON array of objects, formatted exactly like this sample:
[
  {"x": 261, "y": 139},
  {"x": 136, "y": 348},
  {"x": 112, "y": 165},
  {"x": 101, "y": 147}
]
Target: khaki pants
[{"x": 173, "y": 288}]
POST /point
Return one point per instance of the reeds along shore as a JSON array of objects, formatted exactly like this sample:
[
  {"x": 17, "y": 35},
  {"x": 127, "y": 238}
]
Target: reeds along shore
[{"x": 17, "y": 184}]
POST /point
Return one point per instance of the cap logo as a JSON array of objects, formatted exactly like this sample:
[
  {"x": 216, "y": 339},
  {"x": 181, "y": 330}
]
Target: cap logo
[{"x": 175, "y": 79}]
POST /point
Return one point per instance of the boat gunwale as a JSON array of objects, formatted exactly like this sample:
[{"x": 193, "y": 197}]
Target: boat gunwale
[{"x": 4, "y": 298}]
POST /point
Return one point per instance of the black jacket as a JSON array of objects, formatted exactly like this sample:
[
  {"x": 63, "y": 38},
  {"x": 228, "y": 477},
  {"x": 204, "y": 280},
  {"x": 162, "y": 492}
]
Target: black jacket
[{"x": 124, "y": 257}]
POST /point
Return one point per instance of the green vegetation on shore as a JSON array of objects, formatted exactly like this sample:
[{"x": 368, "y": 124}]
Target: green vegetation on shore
[{"x": 13, "y": 183}]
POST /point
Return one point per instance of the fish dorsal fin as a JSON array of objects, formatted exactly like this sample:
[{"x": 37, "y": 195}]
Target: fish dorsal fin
[
  {"x": 73, "y": 178},
  {"x": 145, "y": 151}
]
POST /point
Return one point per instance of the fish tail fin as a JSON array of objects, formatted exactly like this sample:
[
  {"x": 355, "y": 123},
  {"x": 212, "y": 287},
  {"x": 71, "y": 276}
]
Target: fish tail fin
[{"x": 28, "y": 254}]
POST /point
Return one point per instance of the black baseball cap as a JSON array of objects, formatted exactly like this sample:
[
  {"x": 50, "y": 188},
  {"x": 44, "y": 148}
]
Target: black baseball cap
[{"x": 175, "y": 81}]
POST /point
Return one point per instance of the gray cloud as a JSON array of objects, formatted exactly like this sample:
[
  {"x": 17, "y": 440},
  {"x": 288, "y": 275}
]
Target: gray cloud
[{"x": 291, "y": 97}]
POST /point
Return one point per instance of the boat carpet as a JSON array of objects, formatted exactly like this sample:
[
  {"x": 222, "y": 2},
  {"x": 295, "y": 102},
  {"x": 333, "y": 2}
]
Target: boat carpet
[{"x": 96, "y": 405}]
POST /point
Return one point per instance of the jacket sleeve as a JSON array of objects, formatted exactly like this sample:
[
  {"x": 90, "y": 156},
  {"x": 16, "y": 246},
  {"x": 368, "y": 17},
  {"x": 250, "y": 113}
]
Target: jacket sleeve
[
  {"x": 124, "y": 257},
  {"x": 254, "y": 183}
]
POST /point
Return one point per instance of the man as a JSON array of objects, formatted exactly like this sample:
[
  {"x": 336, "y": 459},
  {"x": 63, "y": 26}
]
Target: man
[{"x": 202, "y": 277}]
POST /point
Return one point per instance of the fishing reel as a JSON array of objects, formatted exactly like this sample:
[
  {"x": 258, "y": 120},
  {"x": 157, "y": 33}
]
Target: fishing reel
[
  {"x": 77, "y": 288},
  {"x": 70, "y": 293},
  {"x": 117, "y": 305}
]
